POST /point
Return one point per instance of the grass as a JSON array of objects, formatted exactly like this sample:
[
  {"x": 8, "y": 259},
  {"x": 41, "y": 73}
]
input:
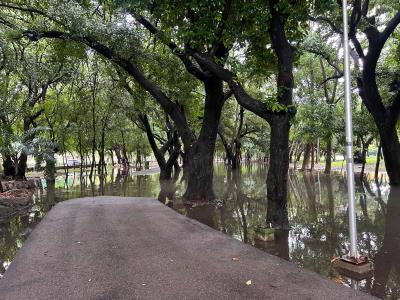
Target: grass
[{"x": 370, "y": 164}]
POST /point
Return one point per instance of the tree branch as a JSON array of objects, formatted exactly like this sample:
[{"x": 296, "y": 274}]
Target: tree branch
[
  {"x": 390, "y": 27},
  {"x": 192, "y": 69},
  {"x": 337, "y": 76},
  {"x": 166, "y": 103},
  {"x": 228, "y": 94},
  {"x": 241, "y": 95},
  {"x": 221, "y": 27},
  {"x": 157, "y": 153},
  {"x": 228, "y": 148},
  {"x": 355, "y": 17},
  {"x": 31, "y": 10},
  {"x": 175, "y": 152},
  {"x": 36, "y": 115},
  {"x": 168, "y": 144},
  {"x": 365, "y": 7},
  {"x": 320, "y": 19},
  {"x": 248, "y": 131}
]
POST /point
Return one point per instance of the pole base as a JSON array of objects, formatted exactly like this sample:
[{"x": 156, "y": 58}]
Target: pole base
[{"x": 358, "y": 269}]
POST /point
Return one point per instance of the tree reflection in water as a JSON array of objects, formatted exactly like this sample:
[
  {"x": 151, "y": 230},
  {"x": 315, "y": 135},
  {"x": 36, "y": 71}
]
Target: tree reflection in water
[
  {"x": 317, "y": 212},
  {"x": 387, "y": 259}
]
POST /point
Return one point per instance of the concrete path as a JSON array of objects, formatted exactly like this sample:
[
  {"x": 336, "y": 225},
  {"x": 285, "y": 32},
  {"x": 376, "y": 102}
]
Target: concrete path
[{"x": 137, "y": 248}]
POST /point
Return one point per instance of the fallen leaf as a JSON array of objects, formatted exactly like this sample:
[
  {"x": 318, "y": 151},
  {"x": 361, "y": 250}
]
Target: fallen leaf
[
  {"x": 248, "y": 282},
  {"x": 338, "y": 279},
  {"x": 235, "y": 258}
]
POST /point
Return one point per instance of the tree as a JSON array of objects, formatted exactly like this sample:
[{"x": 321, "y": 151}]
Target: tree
[
  {"x": 369, "y": 41},
  {"x": 280, "y": 113}
]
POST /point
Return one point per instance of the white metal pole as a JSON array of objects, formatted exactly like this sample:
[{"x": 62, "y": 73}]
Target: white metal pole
[{"x": 349, "y": 138}]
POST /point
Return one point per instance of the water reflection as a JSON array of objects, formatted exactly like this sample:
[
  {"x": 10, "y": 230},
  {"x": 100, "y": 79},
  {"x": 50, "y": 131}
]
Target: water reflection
[
  {"x": 317, "y": 212},
  {"x": 387, "y": 259}
]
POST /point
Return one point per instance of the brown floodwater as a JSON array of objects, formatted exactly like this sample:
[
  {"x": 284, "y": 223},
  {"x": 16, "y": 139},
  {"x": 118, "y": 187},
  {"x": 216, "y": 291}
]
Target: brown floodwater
[{"x": 317, "y": 211}]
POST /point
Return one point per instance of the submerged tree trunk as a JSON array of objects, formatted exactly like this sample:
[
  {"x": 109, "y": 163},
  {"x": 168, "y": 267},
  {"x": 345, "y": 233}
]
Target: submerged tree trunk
[
  {"x": 277, "y": 177},
  {"x": 117, "y": 151},
  {"x": 364, "y": 152},
  {"x": 293, "y": 150},
  {"x": 138, "y": 160},
  {"x": 81, "y": 154},
  {"x": 299, "y": 151},
  {"x": 328, "y": 158},
  {"x": 237, "y": 142},
  {"x": 102, "y": 161},
  {"x": 123, "y": 152},
  {"x": 306, "y": 157},
  {"x": 312, "y": 157},
  {"x": 200, "y": 157},
  {"x": 227, "y": 147},
  {"x": 112, "y": 157},
  {"x": 166, "y": 166},
  {"x": 378, "y": 160}
]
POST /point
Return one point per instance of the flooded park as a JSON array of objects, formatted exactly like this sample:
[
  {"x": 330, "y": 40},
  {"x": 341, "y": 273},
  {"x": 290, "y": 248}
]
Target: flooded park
[
  {"x": 202, "y": 149},
  {"x": 317, "y": 210}
]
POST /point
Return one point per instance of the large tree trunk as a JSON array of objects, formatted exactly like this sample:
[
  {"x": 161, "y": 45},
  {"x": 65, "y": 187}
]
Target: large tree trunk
[
  {"x": 22, "y": 164},
  {"x": 385, "y": 117},
  {"x": 8, "y": 165},
  {"x": 167, "y": 192},
  {"x": 391, "y": 153},
  {"x": 277, "y": 177},
  {"x": 200, "y": 157}
]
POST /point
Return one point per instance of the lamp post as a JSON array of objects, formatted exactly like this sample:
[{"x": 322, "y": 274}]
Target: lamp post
[
  {"x": 352, "y": 265},
  {"x": 349, "y": 137}
]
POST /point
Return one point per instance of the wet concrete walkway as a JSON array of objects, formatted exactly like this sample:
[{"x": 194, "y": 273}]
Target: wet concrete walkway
[{"x": 137, "y": 248}]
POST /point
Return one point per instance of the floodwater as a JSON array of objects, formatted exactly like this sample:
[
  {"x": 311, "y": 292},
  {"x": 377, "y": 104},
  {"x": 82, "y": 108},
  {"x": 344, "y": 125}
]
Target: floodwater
[{"x": 317, "y": 211}]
